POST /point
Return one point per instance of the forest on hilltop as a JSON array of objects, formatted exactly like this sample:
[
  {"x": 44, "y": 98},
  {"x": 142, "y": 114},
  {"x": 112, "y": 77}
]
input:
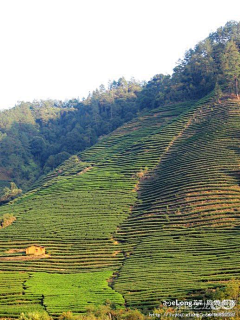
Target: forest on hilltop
[{"x": 36, "y": 137}]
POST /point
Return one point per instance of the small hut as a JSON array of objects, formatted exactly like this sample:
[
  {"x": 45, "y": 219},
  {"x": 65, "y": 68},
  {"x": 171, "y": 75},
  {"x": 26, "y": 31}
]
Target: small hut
[{"x": 35, "y": 250}]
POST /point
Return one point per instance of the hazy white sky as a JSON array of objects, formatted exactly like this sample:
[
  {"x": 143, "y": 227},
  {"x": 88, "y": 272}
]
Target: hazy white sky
[{"x": 61, "y": 49}]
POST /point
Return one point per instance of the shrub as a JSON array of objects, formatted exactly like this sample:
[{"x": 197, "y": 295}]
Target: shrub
[
  {"x": 67, "y": 316},
  {"x": 7, "y": 219},
  {"x": 35, "y": 315}
]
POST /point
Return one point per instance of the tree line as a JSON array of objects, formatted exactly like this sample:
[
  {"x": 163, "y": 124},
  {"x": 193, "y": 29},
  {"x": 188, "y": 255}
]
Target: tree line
[{"x": 36, "y": 137}]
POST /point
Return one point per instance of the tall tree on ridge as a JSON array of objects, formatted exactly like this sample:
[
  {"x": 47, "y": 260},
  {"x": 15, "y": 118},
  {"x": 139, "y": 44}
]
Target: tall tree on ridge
[{"x": 231, "y": 66}]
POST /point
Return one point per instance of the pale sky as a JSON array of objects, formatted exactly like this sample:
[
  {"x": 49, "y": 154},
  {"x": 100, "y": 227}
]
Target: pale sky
[{"x": 62, "y": 49}]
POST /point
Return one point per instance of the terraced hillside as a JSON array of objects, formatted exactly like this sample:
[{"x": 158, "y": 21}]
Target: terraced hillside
[
  {"x": 184, "y": 228},
  {"x": 152, "y": 208}
]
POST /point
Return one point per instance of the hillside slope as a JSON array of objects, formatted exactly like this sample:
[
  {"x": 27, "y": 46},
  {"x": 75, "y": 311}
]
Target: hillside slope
[
  {"x": 36, "y": 137},
  {"x": 184, "y": 227},
  {"x": 153, "y": 206}
]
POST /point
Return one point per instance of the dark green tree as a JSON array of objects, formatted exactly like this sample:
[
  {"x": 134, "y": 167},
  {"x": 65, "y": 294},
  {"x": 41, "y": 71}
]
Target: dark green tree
[
  {"x": 217, "y": 92},
  {"x": 231, "y": 66}
]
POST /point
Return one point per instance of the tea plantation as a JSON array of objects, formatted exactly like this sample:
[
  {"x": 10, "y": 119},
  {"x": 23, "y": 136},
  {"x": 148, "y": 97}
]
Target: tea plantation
[{"x": 152, "y": 210}]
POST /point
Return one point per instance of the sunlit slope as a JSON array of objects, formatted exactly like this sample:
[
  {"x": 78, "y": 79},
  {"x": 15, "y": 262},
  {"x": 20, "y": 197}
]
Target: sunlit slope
[
  {"x": 156, "y": 202},
  {"x": 75, "y": 211},
  {"x": 183, "y": 235},
  {"x": 54, "y": 293}
]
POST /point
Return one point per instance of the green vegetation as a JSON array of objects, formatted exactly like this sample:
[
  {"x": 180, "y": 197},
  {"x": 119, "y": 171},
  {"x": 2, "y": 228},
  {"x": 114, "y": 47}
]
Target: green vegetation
[
  {"x": 73, "y": 292},
  {"x": 105, "y": 312},
  {"x": 150, "y": 212},
  {"x": 37, "y": 137},
  {"x": 35, "y": 315},
  {"x": 185, "y": 222},
  {"x": 10, "y": 193},
  {"x": 75, "y": 210},
  {"x": 89, "y": 216},
  {"x": 13, "y": 301},
  {"x": 6, "y": 220},
  {"x": 54, "y": 293}
]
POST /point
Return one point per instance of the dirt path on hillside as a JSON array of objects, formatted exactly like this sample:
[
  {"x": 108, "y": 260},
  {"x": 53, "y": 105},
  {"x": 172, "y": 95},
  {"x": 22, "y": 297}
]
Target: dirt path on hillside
[{"x": 84, "y": 170}]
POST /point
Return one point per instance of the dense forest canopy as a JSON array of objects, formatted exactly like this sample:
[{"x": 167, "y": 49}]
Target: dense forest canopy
[
  {"x": 215, "y": 60},
  {"x": 36, "y": 137}
]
